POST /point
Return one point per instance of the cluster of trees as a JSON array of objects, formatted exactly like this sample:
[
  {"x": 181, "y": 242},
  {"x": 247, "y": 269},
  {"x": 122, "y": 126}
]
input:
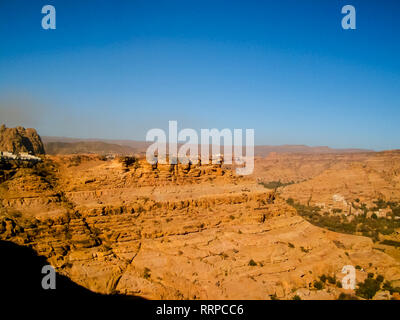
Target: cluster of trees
[
  {"x": 325, "y": 280},
  {"x": 276, "y": 184},
  {"x": 339, "y": 223},
  {"x": 378, "y": 204},
  {"x": 370, "y": 286},
  {"x": 366, "y": 289}
]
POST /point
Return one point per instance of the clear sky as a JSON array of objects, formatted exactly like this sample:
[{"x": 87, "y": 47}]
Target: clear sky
[{"x": 115, "y": 69}]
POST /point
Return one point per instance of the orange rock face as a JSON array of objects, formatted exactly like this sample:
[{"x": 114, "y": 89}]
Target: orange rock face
[
  {"x": 19, "y": 139},
  {"x": 174, "y": 231},
  {"x": 363, "y": 176}
]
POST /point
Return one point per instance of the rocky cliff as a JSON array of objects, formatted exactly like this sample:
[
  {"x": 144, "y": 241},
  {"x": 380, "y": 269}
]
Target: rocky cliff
[
  {"x": 174, "y": 232},
  {"x": 19, "y": 139}
]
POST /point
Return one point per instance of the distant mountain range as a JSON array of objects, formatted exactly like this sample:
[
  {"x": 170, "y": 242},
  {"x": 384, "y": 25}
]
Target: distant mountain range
[
  {"x": 64, "y": 145},
  {"x": 263, "y": 151}
]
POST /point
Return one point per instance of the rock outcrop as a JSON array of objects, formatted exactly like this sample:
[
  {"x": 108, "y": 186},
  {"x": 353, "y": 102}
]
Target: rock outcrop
[
  {"x": 19, "y": 139},
  {"x": 315, "y": 179}
]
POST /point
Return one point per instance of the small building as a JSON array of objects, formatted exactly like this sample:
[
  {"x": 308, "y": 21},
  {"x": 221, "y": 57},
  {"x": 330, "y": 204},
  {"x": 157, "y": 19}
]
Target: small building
[
  {"x": 382, "y": 213},
  {"x": 7, "y": 155},
  {"x": 24, "y": 156}
]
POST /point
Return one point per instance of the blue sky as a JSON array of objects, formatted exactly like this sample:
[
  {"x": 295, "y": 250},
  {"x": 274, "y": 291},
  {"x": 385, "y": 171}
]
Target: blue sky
[{"x": 115, "y": 69}]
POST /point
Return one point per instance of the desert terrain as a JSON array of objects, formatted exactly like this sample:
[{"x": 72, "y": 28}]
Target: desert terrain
[{"x": 118, "y": 225}]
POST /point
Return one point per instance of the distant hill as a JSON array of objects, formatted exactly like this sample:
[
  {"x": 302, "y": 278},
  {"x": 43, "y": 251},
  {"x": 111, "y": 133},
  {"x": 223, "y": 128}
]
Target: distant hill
[
  {"x": 95, "y": 145},
  {"x": 129, "y": 143},
  {"x": 19, "y": 139},
  {"x": 263, "y": 151}
]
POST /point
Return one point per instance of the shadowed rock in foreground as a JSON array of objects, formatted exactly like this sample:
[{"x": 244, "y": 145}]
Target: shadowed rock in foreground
[{"x": 21, "y": 278}]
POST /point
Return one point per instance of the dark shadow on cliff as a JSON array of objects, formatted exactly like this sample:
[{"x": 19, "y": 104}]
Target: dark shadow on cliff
[{"x": 21, "y": 277}]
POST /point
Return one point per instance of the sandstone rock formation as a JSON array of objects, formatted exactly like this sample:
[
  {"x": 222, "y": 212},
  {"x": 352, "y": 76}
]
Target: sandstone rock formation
[
  {"x": 317, "y": 178},
  {"x": 19, "y": 139},
  {"x": 174, "y": 231}
]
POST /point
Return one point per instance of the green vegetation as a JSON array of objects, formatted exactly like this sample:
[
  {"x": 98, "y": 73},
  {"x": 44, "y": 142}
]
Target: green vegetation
[
  {"x": 224, "y": 255},
  {"x": 369, "y": 287},
  {"x": 276, "y": 184},
  {"x": 146, "y": 273},
  {"x": 319, "y": 285},
  {"x": 380, "y": 278},
  {"x": 252, "y": 263},
  {"x": 358, "y": 225},
  {"x": 345, "y": 296},
  {"x": 304, "y": 250},
  {"x": 328, "y": 279},
  {"x": 296, "y": 297},
  {"x": 391, "y": 243},
  {"x": 388, "y": 286},
  {"x": 290, "y": 201},
  {"x": 380, "y": 204},
  {"x": 140, "y": 209}
]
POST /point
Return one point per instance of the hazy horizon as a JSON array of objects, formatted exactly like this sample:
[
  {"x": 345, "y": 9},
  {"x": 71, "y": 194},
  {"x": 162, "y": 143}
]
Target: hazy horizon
[{"x": 59, "y": 139}]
